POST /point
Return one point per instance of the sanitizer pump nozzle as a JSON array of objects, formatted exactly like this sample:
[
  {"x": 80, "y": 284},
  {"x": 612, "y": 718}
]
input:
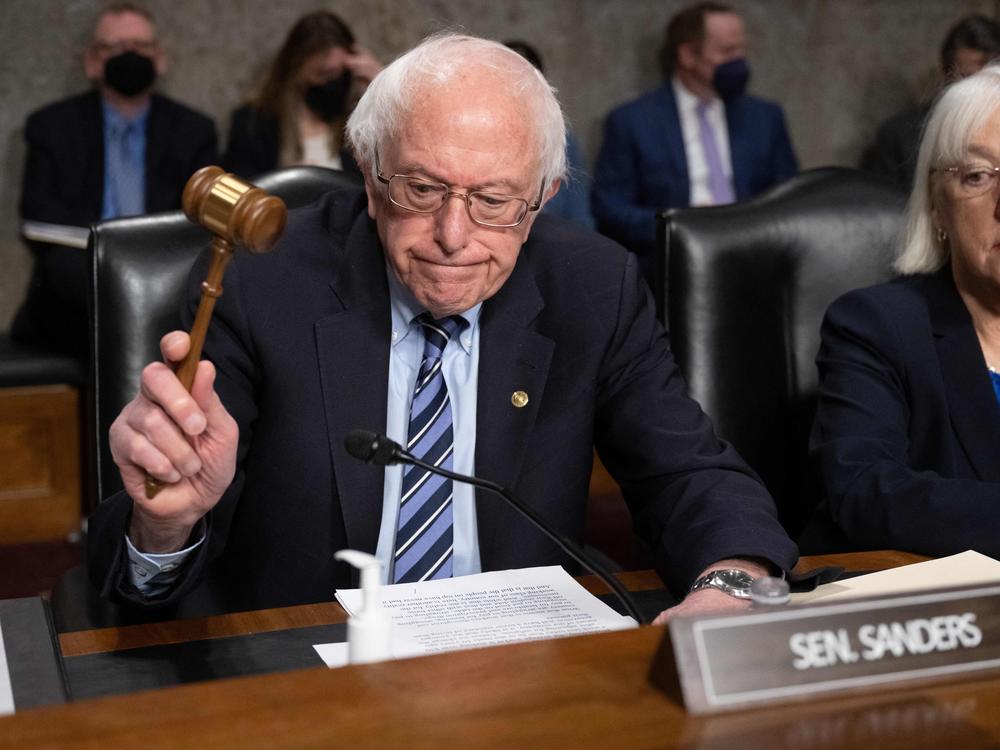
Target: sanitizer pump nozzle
[{"x": 368, "y": 630}]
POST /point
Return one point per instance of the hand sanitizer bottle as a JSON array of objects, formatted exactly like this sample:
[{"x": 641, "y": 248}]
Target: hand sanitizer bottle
[{"x": 368, "y": 630}]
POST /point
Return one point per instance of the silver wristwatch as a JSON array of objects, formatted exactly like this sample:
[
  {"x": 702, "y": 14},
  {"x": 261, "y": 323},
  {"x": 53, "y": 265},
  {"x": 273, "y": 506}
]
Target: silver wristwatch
[{"x": 732, "y": 581}]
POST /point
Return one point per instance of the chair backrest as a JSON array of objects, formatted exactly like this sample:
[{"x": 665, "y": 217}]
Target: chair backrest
[
  {"x": 139, "y": 270},
  {"x": 747, "y": 286}
]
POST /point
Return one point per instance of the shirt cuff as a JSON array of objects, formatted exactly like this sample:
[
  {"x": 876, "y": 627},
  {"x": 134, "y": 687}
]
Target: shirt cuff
[{"x": 153, "y": 573}]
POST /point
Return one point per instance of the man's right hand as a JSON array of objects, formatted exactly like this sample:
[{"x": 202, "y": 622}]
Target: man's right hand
[{"x": 186, "y": 440}]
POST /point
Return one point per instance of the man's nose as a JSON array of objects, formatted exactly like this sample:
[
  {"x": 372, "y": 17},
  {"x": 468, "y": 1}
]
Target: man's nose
[{"x": 452, "y": 223}]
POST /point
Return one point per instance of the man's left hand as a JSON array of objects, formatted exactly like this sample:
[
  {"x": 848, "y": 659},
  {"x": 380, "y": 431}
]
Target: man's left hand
[
  {"x": 703, "y": 602},
  {"x": 708, "y": 600}
]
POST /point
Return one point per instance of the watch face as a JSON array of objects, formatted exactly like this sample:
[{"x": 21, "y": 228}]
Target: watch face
[{"x": 736, "y": 579}]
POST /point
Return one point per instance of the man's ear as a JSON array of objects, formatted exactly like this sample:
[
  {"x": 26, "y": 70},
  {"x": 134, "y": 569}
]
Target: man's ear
[
  {"x": 371, "y": 191},
  {"x": 551, "y": 192},
  {"x": 687, "y": 55},
  {"x": 92, "y": 65},
  {"x": 160, "y": 61}
]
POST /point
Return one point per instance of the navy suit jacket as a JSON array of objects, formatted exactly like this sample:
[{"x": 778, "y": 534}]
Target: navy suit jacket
[
  {"x": 642, "y": 168},
  {"x": 301, "y": 342},
  {"x": 907, "y": 432},
  {"x": 64, "y": 184}
]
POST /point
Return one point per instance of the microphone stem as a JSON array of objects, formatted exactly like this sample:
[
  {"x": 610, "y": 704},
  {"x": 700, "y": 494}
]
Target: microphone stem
[{"x": 566, "y": 545}]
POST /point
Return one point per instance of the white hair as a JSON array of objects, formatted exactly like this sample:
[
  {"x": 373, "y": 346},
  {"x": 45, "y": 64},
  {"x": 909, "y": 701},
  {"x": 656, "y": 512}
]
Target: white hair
[
  {"x": 959, "y": 112},
  {"x": 381, "y": 112}
]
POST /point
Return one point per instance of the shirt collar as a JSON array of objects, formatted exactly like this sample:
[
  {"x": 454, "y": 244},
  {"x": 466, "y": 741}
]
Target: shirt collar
[
  {"x": 404, "y": 308},
  {"x": 687, "y": 100},
  {"x": 116, "y": 122}
]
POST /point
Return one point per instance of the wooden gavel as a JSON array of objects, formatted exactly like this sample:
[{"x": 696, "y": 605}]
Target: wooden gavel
[{"x": 237, "y": 213}]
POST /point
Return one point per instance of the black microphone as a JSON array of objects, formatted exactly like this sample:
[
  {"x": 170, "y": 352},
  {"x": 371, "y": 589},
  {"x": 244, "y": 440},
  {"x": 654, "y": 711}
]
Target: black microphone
[{"x": 373, "y": 448}]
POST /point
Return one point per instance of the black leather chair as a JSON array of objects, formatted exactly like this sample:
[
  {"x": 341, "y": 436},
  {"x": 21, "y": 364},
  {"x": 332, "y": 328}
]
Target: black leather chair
[
  {"x": 747, "y": 286},
  {"x": 139, "y": 269}
]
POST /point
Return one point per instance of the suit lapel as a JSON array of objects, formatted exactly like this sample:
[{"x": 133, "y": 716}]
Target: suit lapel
[
  {"x": 92, "y": 131},
  {"x": 157, "y": 142},
  {"x": 672, "y": 143},
  {"x": 353, "y": 350},
  {"x": 739, "y": 149},
  {"x": 971, "y": 400},
  {"x": 512, "y": 357}
]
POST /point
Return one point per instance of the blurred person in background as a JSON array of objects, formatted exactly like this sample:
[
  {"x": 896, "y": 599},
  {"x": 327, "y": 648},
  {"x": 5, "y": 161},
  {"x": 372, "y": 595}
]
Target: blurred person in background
[
  {"x": 573, "y": 199},
  {"x": 969, "y": 45},
  {"x": 298, "y": 113},
  {"x": 120, "y": 149},
  {"x": 698, "y": 140}
]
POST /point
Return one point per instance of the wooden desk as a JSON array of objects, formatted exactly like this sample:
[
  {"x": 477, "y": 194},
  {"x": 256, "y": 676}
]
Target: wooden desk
[{"x": 589, "y": 691}]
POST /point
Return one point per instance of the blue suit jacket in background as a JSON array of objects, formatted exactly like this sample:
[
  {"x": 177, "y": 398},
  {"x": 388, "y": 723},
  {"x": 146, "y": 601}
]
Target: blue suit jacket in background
[{"x": 642, "y": 169}]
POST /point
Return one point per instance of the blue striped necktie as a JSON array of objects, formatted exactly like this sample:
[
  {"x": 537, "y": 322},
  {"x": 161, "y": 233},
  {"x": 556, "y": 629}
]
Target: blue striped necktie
[{"x": 424, "y": 529}]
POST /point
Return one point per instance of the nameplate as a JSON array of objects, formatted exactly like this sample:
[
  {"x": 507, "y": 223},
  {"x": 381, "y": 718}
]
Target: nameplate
[{"x": 724, "y": 662}]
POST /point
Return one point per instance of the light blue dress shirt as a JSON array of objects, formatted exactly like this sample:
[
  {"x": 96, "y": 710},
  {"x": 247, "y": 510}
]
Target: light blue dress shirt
[
  {"x": 152, "y": 574},
  {"x": 124, "y": 163},
  {"x": 460, "y": 365}
]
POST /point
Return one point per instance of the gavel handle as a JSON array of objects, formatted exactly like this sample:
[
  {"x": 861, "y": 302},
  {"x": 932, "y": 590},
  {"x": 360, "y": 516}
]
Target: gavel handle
[{"x": 211, "y": 290}]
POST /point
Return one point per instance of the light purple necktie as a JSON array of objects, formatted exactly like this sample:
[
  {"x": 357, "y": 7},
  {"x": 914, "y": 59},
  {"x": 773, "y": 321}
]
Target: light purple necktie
[{"x": 718, "y": 183}]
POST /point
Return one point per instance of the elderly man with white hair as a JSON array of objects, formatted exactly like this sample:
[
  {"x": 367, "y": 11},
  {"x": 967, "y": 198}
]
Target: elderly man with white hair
[{"x": 439, "y": 307}]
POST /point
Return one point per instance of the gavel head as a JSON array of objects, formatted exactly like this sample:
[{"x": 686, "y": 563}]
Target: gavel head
[{"x": 233, "y": 209}]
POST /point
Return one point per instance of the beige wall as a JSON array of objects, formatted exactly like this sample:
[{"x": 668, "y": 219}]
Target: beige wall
[{"x": 838, "y": 66}]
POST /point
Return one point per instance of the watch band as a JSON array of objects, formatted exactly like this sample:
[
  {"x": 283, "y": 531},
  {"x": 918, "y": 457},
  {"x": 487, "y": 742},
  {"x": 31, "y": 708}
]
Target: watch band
[{"x": 731, "y": 581}]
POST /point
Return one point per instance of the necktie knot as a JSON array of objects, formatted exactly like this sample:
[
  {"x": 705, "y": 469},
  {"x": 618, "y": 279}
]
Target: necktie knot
[{"x": 438, "y": 332}]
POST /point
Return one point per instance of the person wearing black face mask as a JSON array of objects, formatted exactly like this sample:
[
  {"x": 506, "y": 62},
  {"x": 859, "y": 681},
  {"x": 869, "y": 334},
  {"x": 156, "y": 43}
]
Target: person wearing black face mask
[
  {"x": 129, "y": 73},
  {"x": 698, "y": 140},
  {"x": 299, "y": 110},
  {"x": 117, "y": 150},
  {"x": 328, "y": 100}
]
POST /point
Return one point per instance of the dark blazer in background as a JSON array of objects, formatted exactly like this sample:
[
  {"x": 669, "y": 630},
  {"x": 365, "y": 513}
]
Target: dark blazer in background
[
  {"x": 254, "y": 145},
  {"x": 63, "y": 183},
  {"x": 301, "y": 343},
  {"x": 642, "y": 168},
  {"x": 907, "y": 432}
]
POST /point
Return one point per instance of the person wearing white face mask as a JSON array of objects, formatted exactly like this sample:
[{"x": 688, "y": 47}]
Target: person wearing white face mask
[
  {"x": 698, "y": 140},
  {"x": 119, "y": 149}
]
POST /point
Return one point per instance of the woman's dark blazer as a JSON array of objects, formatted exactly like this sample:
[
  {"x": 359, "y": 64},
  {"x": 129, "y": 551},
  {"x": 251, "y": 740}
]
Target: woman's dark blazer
[
  {"x": 907, "y": 432},
  {"x": 254, "y": 143}
]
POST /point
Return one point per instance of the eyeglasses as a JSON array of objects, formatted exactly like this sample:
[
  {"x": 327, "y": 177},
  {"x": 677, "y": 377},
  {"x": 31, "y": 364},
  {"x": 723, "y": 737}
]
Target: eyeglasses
[
  {"x": 112, "y": 49},
  {"x": 427, "y": 197},
  {"x": 973, "y": 180}
]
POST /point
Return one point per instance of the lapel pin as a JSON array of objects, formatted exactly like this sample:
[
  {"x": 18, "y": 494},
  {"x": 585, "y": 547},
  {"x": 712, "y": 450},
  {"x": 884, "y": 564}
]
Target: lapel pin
[{"x": 519, "y": 399}]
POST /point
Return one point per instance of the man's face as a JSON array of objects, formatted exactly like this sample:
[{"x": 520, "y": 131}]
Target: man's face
[
  {"x": 468, "y": 134},
  {"x": 725, "y": 40},
  {"x": 116, "y": 33}
]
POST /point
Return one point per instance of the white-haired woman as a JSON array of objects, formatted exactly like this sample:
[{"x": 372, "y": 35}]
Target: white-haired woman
[{"x": 907, "y": 433}]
